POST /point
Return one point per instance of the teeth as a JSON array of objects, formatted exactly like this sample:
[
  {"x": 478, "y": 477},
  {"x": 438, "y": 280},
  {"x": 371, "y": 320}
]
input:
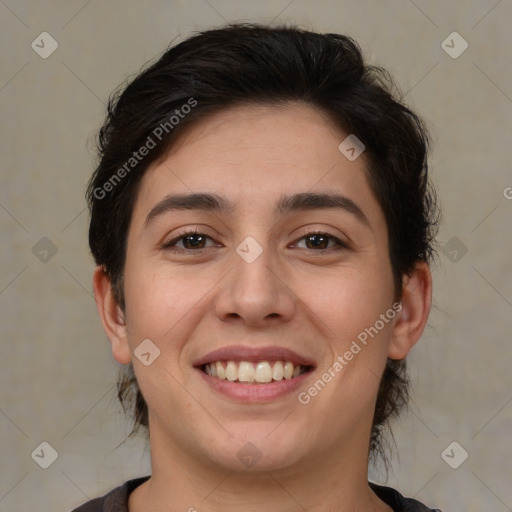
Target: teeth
[
  {"x": 245, "y": 372},
  {"x": 221, "y": 371},
  {"x": 288, "y": 370},
  {"x": 231, "y": 371},
  {"x": 278, "y": 371},
  {"x": 262, "y": 372}
]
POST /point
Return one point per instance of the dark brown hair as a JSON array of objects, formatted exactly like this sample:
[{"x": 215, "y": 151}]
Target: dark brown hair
[{"x": 248, "y": 63}]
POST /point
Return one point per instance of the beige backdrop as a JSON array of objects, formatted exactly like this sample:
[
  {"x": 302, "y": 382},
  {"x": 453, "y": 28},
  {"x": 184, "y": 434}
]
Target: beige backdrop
[{"x": 57, "y": 373}]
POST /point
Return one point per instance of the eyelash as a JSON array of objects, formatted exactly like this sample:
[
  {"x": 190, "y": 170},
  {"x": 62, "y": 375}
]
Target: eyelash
[{"x": 341, "y": 245}]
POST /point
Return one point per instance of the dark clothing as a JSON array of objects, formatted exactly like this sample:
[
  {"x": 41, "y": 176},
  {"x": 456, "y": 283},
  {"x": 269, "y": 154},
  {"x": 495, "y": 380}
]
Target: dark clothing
[{"x": 117, "y": 499}]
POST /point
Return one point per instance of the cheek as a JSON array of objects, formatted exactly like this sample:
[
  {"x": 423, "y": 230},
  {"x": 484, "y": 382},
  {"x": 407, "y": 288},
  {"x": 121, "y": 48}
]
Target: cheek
[
  {"x": 356, "y": 309},
  {"x": 164, "y": 304},
  {"x": 347, "y": 384},
  {"x": 348, "y": 301}
]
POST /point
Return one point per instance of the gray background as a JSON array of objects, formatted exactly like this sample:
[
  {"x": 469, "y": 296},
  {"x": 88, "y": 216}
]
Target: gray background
[{"x": 57, "y": 374}]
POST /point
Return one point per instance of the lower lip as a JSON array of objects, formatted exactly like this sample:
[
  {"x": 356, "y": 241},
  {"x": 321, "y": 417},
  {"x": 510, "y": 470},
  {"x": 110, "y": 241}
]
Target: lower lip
[{"x": 254, "y": 392}]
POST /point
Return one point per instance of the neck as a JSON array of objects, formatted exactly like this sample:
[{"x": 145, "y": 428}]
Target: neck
[{"x": 334, "y": 481}]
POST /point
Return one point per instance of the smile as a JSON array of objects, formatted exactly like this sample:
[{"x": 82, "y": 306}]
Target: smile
[
  {"x": 254, "y": 374},
  {"x": 261, "y": 372}
]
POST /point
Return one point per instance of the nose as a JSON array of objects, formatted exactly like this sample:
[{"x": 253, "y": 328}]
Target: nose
[{"x": 256, "y": 293}]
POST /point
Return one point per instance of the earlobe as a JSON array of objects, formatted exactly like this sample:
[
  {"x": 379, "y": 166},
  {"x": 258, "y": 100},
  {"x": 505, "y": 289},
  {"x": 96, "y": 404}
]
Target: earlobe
[
  {"x": 112, "y": 316},
  {"x": 416, "y": 302}
]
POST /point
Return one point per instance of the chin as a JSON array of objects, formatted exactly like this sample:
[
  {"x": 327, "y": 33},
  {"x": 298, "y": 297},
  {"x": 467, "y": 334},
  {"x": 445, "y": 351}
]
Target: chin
[{"x": 259, "y": 452}]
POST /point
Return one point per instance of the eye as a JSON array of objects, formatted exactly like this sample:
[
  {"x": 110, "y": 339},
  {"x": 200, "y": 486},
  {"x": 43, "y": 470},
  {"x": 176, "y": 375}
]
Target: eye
[
  {"x": 320, "y": 241},
  {"x": 192, "y": 240},
  {"x": 315, "y": 240}
]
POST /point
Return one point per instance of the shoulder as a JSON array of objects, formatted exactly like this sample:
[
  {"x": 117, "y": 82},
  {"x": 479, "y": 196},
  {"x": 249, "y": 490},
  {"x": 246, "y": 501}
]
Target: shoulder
[
  {"x": 398, "y": 502},
  {"x": 114, "y": 501}
]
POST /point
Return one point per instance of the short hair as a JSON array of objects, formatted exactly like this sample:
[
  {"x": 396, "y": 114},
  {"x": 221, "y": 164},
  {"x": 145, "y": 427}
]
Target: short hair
[{"x": 244, "y": 64}]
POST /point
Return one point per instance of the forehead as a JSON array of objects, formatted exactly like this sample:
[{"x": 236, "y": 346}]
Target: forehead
[{"x": 255, "y": 155}]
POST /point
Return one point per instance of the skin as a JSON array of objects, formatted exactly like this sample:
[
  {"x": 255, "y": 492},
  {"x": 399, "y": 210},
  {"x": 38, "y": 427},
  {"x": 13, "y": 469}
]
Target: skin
[{"x": 293, "y": 295}]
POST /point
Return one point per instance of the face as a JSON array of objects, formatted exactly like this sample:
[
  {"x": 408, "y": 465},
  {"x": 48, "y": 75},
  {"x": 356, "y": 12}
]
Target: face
[{"x": 251, "y": 292}]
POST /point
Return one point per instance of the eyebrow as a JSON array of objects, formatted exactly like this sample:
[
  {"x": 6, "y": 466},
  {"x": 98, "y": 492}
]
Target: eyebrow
[{"x": 303, "y": 201}]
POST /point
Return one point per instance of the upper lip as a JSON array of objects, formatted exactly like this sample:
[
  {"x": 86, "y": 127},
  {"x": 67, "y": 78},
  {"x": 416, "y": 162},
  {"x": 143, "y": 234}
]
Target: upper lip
[{"x": 253, "y": 354}]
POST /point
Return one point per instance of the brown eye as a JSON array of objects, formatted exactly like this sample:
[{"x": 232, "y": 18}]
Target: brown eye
[
  {"x": 191, "y": 241},
  {"x": 319, "y": 241}
]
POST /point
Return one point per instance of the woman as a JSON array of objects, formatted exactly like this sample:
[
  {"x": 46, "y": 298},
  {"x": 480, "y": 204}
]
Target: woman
[{"x": 263, "y": 223}]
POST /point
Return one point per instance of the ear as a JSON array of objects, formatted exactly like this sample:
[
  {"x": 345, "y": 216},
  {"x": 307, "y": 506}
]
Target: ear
[
  {"x": 112, "y": 316},
  {"x": 416, "y": 301}
]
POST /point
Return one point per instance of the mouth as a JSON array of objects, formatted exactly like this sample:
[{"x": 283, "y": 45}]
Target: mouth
[
  {"x": 251, "y": 374},
  {"x": 248, "y": 372}
]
